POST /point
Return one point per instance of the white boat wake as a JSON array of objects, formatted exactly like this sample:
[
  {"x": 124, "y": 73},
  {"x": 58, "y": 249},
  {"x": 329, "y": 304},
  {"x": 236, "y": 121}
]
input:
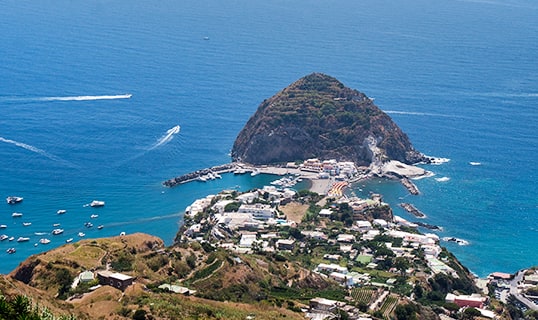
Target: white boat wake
[
  {"x": 167, "y": 137},
  {"x": 87, "y": 98},
  {"x": 36, "y": 150},
  {"x": 411, "y": 113}
]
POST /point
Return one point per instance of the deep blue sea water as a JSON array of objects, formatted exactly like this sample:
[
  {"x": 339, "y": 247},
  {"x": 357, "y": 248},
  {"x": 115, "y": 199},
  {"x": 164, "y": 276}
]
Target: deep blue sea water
[{"x": 459, "y": 77}]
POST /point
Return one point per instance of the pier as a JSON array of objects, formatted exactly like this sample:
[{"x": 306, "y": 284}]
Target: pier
[
  {"x": 198, "y": 173},
  {"x": 410, "y": 186},
  {"x": 412, "y": 210}
]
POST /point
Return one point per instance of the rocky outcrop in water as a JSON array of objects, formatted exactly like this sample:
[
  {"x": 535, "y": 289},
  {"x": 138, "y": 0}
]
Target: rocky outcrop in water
[{"x": 318, "y": 117}]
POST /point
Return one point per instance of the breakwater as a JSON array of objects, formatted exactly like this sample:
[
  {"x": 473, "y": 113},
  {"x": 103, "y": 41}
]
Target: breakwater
[
  {"x": 412, "y": 210},
  {"x": 199, "y": 173},
  {"x": 410, "y": 186}
]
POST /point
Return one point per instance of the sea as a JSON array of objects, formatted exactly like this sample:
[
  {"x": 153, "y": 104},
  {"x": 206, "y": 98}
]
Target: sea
[{"x": 91, "y": 91}]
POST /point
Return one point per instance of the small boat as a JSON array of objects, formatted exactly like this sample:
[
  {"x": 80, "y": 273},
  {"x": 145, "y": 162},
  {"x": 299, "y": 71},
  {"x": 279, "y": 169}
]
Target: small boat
[
  {"x": 93, "y": 216},
  {"x": 97, "y": 203},
  {"x": 23, "y": 239},
  {"x": 44, "y": 241},
  {"x": 26, "y": 224},
  {"x": 122, "y": 233},
  {"x": 3, "y": 237},
  {"x": 69, "y": 240},
  {"x": 100, "y": 227},
  {"x": 40, "y": 233},
  {"x": 3, "y": 226},
  {"x": 88, "y": 224},
  {"x": 11, "y": 238},
  {"x": 81, "y": 234},
  {"x": 202, "y": 178},
  {"x": 61, "y": 211},
  {"x": 16, "y": 214},
  {"x": 13, "y": 200},
  {"x": 57, "y": 231},
  {"x": 11, "y": 250},
  {"x": 56, "y": 225},
  {"x": 255, "y": 173}
]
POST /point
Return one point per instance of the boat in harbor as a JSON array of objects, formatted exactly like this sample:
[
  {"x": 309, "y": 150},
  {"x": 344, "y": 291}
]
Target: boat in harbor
[
  {"x": 459, "y": 241},
  {"x": 26, "y": 224},
  {"x": 23, "y": 239},
  {"x": 69, "y": 240},
  {"x": 93, "y": 216},
  {"x": 16, "y": 214},
  {"x": 44, "y": 241},
  {"x": 61, "y": 211},
  {"x": 255, "y": 173},
  {"x": 14, "y": 200},
  {"x": 3, "y": 237},
  {"x": 11, "y": 238},
  {"x": 88, "y": 224},
  {"x": 100, "y": 227},
  {"x": 97, "y": 203},
  {"x": 81, "y": 234},
  {"x": 3, "y": 226},
  {"x": 56, "y": 225},
  {"x": 11, "y": 250},
  {"x": 57, "y": 231}
]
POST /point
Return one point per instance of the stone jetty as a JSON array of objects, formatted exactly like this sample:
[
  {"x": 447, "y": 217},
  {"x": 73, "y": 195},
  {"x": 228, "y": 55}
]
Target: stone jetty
[
  {"x": 412, "y": 210},
  {"x": 410, "y": 186},
  {"x": 198, "y": 173}
]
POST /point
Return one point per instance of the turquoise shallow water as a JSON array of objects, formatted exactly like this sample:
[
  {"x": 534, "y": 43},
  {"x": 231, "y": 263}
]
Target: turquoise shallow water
[{"x": 459, "y": 77}]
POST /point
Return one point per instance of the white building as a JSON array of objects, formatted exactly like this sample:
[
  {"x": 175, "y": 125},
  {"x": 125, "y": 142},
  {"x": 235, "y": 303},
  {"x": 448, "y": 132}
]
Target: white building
[{"x": 258, "y": 211}]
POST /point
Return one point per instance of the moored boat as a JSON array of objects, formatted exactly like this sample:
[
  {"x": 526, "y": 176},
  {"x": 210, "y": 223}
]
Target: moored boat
[
  {"x": 11, "y": 250},
  {"x": 44, "y": 241},
  {"x": 81, "y": 234},
  {"x": 23, "y": 239},
  {"x": 26, "y": 224},
  {"x": 61, "y": 211},
  {"x": 93, "y": 216},
  {"x": 69, "y": 240},
  {"x": 3, "y": 237},
  {"x": 100, "y": 227},
  {"x": 13, "y": 199},
  {"x": 57, "y": 231},
  {"x": 16, "y": 214},
  {"x": 3, "y": 226}
]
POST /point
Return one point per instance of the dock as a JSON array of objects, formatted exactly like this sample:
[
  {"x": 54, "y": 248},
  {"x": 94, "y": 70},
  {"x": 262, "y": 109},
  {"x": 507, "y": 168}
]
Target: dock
[
  {"x": 224, "y": 168},
  {"x": 412, "y": 210},
  {"x": 410, "y": 186}
]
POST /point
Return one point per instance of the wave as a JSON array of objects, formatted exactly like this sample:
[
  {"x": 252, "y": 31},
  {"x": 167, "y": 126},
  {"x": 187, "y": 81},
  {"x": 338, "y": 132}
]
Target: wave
[
  {"x": 86, "y": 98},
  {"x": 167, "y": 137},
  {"x": 443, "y": 179},
  {"x": 437, "y": 161},
  {"x": 412, "y": 113},
  {"x": 36, "y": 150}
]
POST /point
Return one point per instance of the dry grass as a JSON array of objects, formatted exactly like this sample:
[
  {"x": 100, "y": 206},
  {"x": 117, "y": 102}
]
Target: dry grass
[{"x": 294, "y": 211}]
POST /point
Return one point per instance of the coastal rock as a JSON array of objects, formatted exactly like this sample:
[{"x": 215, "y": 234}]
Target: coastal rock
[{"x": 318, "y": 117}]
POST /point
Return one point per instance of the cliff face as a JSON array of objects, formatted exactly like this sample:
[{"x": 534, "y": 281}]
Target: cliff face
[{"x": 318, "y": 117}]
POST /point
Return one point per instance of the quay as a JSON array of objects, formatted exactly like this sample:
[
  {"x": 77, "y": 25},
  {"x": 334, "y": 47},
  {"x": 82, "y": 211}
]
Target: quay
[
  {"x": 412, "y": 210},
  {"x": 199, "y": 173},
  {"x": 410, "y": 186}
]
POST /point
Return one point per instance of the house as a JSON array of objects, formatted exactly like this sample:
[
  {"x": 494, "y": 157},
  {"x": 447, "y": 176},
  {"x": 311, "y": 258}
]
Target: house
[
  {"x": 247, "y": 240},
  {"x": 86, "y": 276},
  {"x": 114, "y": 279},
  {"x": 325, "y": 213},
  {"x": 474, "y": 300},
  {"x": 258, "y": 211},
  {"x": 322, "y": 304},
  {"x": 345, "y": 238},
  {"x": 285, "y": 244}
]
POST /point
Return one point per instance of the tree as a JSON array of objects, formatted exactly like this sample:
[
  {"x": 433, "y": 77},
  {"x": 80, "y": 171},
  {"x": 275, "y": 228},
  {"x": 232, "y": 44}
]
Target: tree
[
  {"x": 470, "y": 313},
  {"x": 139, "y": 314},
  {"x": 406, "y": 312}
]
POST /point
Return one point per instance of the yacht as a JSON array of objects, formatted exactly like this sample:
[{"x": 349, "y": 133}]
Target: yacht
[
  {"x": 88, "y": 224},
  {"x": 11, "y": 250},
  {"x": 57, "y": 231},
  {"x": 44, "y": 241},
  {"x": 11, "y": 238},
  {"x": 81, "y": 234},
  {"x": 23, "y": 239},
  {"x": 100, "y": 227},
  {"x": 26, "y": 224},
  {"x": 16, "y": 214},
  {"x": 13, "y": 200},
  {"x": 69, "y": 240},
  {"x": 3, "y": 237},
  {"x": 93, "y": 216},
  {"x": 97, "y": 203},
  {"x": 61, "y": 211}
]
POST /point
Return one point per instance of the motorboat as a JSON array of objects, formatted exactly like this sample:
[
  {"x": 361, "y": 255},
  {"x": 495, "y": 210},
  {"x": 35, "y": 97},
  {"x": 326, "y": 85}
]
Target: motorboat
[
  {"x": 57, "y": 231},
  {"x": 3, "y": 237},
  {"x": 88, "y": 224},
  {"x": 26, "y": 224},
  {"x": 44, "y": 241},
  {"x": 97, "y": 203},
  {"x": 61, "y": 211},
  {"x": 16, "y": 214},
  {"x": 93, "y": 216},
  {"x": 13, "y": 200},
  {"x": 11, "y": 250},
  {"x": 3, "y": 226},
  {"x": 100, "y": 227},
  {"x": 11, "y": 238},
  {"x": 23, "y": 239},
  {"x": 81, "y": 234},
  {"x": 69, "y": 240},
  {"x": 56, "y": 225}
]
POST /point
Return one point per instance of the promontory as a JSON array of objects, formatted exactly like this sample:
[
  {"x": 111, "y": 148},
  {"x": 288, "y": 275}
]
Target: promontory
[{"x": 318, "y": 117}]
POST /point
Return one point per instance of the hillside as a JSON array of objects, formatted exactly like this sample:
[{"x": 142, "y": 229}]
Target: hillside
[{"x": 318, "y": 117}]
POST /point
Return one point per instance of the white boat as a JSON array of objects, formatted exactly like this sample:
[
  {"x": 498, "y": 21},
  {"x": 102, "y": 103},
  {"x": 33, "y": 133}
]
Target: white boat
[
  {"x": 240, "y": 171},
  {"x": 3, "y": 226},
  {"x": 202, "y": 178},
  {"x": 16, "y": 214},
  {"x": 56, "y": 225},
  {"x": 255, "y": 173},
  {"x": 218, "y": 176},
  {"x": 475, "y": 163},
  {"x": 88, "y": 224},
  {"x": 14, "y": 200},
  {"x": 97, "y": 203},
  {"x": 61, "y": 211},
  {"x": 3, "y": 237},
  {"x": 11, "y": 250},
  {"x": 23, "y": 239},
  {"x": 44, "y": 241},
  {"x": 100, "y": 227},
  {"x": 93, "y": 216},
  {"x": 57, "y": 231},
  {"x": 69, "y": 240},
  {"x": 11, "y": 238},
  {"x": 26, "y": 224},
  {"x": 81, "y": 234}
]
